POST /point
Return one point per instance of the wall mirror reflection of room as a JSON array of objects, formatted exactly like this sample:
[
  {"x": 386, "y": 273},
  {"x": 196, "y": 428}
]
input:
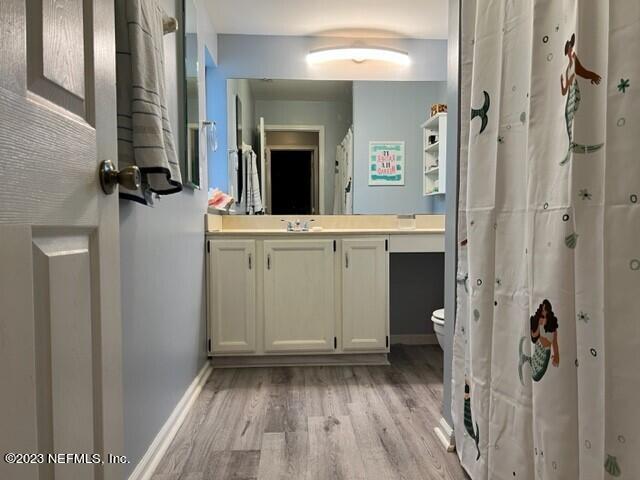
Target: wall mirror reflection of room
[{"x": 307, "y": 147}]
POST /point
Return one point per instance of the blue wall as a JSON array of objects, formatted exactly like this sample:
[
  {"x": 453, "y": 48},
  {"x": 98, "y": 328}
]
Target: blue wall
[{"x": 216, "y": 103}]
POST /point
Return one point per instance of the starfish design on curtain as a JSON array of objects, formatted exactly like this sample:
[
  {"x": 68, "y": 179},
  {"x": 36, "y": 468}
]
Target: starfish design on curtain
[
  {"x": 585, "y": 194},
  {"x": 623, "y": 85},
  {"x": 583, "y": 317}
]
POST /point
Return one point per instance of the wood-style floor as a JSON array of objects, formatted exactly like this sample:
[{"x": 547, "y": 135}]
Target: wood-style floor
[{"x": 325, "y": 423}]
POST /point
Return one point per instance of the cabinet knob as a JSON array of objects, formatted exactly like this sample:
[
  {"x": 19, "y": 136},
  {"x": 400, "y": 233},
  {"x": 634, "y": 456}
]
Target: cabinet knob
[{"x": 249, "y": 261}]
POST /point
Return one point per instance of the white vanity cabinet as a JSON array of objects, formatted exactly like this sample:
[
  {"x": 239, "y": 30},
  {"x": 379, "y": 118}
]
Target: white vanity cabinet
[
  {"x": 232, "y": 296},
  {"x": 299, "y": 297},
  {"x": 275, "y": 295},
  {"x": 365, "y": 302}
]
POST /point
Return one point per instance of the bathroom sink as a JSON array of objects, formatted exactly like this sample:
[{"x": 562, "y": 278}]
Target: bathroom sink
[{"x": 406, "y": 222}]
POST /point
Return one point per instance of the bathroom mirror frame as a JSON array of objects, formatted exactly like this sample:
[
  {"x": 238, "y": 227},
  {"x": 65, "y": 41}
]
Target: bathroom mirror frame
[{"x": 191, "y": 124}]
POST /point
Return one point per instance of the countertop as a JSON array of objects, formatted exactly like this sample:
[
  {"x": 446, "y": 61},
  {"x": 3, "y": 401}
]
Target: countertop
[
  {"x": 325, "y": 232},
  {"x": 268, "y": 225}
]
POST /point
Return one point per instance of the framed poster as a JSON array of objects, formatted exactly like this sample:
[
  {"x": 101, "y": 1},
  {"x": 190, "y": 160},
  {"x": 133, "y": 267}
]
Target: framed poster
[{"x": 386, "y": 163}]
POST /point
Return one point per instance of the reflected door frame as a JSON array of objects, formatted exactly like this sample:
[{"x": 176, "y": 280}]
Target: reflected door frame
[{"x": 318, "y": 157}]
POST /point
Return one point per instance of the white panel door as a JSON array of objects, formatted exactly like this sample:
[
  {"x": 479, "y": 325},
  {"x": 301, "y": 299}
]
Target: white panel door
[
  {"x": 365, "y": 303},
  {"x": 232, "y": 295},
  {"x": 299, "y": 305},
  {"x": 60, "y": 330}
]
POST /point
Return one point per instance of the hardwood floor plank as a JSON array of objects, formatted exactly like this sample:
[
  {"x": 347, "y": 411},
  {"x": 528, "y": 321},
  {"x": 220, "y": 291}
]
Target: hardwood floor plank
[
  {"x": 362, "y": 388},
  {"x": 232, "y": 465},
  {"x": 435, "y": 463},
  {"x": 419, "y": 381},
  {"x": 383, "y": 451},
  {"x": 395, "y": 391},
  {"x": 434, "y": 357},
  {"x": 284, "y": 456},
  {"x": 242, "y": 465},
  {"x": 273, "y": 462},
  {"x": 248, "y": 431},
  {"x": 177, "y": 476},
  {"x": 333, "y": 451},
  {"x": 427, "y": 356},
  {"x": 276, "y": 410},
  {"x": 353, "y": 384},
  {"x": 286, "y": 411},
  {"x": 326, "y": 394}
]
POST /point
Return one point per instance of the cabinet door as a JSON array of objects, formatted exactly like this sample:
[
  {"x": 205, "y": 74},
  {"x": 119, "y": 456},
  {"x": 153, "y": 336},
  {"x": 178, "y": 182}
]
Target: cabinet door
[
  {"x": 232, "y": 296},
  {"x": 299, "y": 306},
  {"x": 365, "y": 312}
]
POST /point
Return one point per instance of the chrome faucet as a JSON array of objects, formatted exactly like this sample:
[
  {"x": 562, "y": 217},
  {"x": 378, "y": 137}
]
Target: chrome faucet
[
  {"x": 290, "y": 225},
  {"x": 297, "y": 225}
]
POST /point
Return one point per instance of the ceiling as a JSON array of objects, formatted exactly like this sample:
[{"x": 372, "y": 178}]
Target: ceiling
[
  {"x": 339, "y": 18},
  {"x": 308, "y": 90}
]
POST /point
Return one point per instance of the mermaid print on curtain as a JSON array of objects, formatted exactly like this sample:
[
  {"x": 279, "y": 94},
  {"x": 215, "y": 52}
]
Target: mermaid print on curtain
[{"x": 547, "y": 337}]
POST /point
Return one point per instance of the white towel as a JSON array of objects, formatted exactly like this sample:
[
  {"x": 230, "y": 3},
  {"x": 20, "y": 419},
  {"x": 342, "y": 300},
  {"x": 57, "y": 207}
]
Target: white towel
[
  {"x": 251, "y": 193},
  {"x": 145, "y": 138}
]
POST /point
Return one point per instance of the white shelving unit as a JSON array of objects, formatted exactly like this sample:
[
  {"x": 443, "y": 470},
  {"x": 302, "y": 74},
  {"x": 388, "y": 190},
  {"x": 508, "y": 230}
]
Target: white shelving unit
[{"x": 434, "y": 155}]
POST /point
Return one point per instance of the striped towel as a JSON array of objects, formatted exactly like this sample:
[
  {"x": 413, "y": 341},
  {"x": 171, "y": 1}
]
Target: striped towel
[
  {"x": 145, "y": 138},
  {"x": 251, "y": 193}
]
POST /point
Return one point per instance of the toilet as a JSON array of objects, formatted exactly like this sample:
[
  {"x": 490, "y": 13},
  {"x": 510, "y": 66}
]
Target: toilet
[{"x": 437, "y": 317}]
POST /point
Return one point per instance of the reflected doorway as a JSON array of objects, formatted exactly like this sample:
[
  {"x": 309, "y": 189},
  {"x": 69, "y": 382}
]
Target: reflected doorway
[
  {"x": 292, "y": 175},
  {"x": 293, "y": 162}
]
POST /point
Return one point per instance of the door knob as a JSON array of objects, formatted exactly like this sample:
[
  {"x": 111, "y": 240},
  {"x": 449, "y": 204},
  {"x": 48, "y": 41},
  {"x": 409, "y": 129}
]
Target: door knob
[{"x": 110, "y": 178}]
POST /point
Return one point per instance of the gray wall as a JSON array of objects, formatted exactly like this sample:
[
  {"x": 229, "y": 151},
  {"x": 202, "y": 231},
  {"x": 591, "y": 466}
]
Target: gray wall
[
  {"x": 416, "y": 289},
  {"x": 334, "y": 116},
  {"x": 392, "y": 111},
  {"x": 162, "y": 270}
]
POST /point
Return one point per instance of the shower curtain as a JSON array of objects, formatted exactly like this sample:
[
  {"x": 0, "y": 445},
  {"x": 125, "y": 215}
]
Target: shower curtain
[{"x": 547, "y": 339}]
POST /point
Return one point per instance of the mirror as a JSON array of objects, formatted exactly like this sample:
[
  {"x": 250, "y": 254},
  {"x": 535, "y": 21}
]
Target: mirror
[
  {"x": 336, "y": 147},
  {"x": 191, "y": 131}
]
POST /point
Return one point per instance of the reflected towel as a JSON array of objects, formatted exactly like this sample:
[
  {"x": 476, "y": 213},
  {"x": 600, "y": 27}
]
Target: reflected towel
[{"x": 251, "y": 193}]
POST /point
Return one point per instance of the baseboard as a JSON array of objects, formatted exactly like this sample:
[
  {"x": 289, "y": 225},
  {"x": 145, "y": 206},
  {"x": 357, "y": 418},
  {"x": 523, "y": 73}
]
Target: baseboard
[
  {"x": 347, "y": 359},
  {"x": 148, "y": 463},
  {"x": 424, "y": 339},
  {"x": 445, "y": 434}
]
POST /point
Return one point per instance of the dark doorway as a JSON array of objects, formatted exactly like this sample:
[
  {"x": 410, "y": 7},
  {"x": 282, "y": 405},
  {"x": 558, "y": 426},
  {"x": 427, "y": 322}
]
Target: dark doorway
[{"x": 292, "y": 182}]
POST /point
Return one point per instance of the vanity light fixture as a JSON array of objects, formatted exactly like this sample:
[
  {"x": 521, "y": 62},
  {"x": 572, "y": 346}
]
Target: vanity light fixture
[{"x": 358, "y": 55}]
